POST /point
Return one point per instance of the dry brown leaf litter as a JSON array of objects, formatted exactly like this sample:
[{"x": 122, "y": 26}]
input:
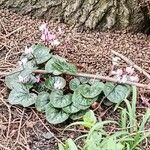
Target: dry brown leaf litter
[{"x": 89, "y": 50}]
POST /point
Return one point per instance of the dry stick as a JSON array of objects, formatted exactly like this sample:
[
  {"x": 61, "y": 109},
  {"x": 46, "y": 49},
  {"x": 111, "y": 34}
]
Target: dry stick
[
  {"x": 47, "y": 127},
  {"x": 19, "y": 128},
  {"x": 106, "y": 78},
  {"x": 3, "y": 147},
  {"x": 131, "y": 63},
  {"x": 9, "y": 34},
  {"x": 9, "y": 120}
]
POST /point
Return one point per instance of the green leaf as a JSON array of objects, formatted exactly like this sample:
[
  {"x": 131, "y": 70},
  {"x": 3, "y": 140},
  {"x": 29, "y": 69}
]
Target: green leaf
[
  {"x": 78, "y": 115},
  {"x": 56, "y": 65},
  {"x": 89, "y": 119},
  {"x": 60, "y": 82},
  {"x": 81, "y": 102},
  {"x": 70, "y": 109},
  {"x": 11, "y": 80},
  {"x": 70, "y": 145},
  {"x": 116, "y": 93},
  {"x": 55, "y": 116},
  {"x": 60, "y": 146},
  {"x": 74, "y": 83},
  {"x": 21, "y": 96},
  {"x": 41, "y": 53},
  {"x": 50, "y": 68},
  {"x": 92, "y": 91},
  {"x": 58, "y": 100},
  {"x": 49, "y": 83},
  {"x": 42, "y": 100},
  {"x": 83, "y": 80}
]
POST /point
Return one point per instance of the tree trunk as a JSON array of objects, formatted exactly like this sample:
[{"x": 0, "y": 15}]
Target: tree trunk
[{"x": 92, "y": 14}]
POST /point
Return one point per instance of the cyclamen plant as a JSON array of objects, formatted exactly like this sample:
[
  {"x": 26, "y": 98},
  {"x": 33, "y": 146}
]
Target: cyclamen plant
[{"x": 49, "y": 92}]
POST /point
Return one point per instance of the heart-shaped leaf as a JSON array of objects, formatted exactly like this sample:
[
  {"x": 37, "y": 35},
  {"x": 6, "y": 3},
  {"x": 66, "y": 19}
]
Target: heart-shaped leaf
[
  {"x": 56, "y": 65},
  {"x": 93, "y": 90},
  {"x": 81, "y": 102},
  {"x": 42, "y": 100},
  {"x": 116, "y": 93},
  {"x": 21, "y": 96},
  {"x": 59, "y": 83},
  {"x": 83, "y": 80},
  {"x": 74, "y": 83},
  {"x": 55, "y": 116},
  {"x": 58, "y": 100},
  {"x": 49, "y": 83},
  {"x": 78, "y": 115},
  {"x": 70, "y": 109},
  {"x": 11, "y": 80},
  {"x": 50, "y": 68},
  {"x": 41, "y": 53}
]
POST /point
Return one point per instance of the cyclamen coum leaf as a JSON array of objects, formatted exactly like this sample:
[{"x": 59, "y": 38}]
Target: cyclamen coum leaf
[
  {"x": 71, "y": 145},
  {"x": 21, "y": 96},
  {"x": 92, "y": 91},
  {"x": 12, "y": 80},
  {"x": 58, "y": 100},
  {"x": 116, "y": 93},
  {"x": 81, "y": 102},
  {"x": 74, "y": 83},
  {"x": 70, "y": 109},
  {"x": 50, "y": 68},
  {"x": 42, "y": 100},
  {"x": 55, "y": 116},
  {"x": 41, "y": 53},
  {"x": 78, "y": 115}
]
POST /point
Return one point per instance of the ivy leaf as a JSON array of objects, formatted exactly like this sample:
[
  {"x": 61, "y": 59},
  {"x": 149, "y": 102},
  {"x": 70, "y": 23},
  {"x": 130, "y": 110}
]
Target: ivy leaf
[
  {"x": 116, "y": 94},
  {"x": 49, "y": 83},
  {"x": 42, "y": 100},
  {"x": 11, "y": 80},
  {"x": 83, "y": 80},
  {"x": 92, "y": 91},
  {"x": 70, "y": 109},
  {"x": 21, "y": 96},
  {"x": 74, "y": 83},
  {"x": 58, "y": 65},
  {"x": 81, "y": 102},
  {"x": 41, "y": 53},
  {"x": 78, "y": 115},
  {"x": 89, "y": 119},
  {"x": 58, "y": 100},
  {"x": 50, "y": 68},
  {"x": 55, "y": 116},
  {"x": 60, "y": 82}
]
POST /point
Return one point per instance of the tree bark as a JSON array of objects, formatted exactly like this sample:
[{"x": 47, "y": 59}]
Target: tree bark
[{"x": 92, "y": 14}]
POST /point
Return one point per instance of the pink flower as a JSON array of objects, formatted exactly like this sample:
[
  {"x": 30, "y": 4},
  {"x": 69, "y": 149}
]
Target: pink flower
[
  {"x": 124, "y": 79},
  {"x": 145, "y": 101},
  {"x": 134, "y": 78},
  {"x": 37, "y": 78},
  {"x": 115, "y": 61},
  {"x": 130, "y": 70},
  {"x": 46, "y": 35}
]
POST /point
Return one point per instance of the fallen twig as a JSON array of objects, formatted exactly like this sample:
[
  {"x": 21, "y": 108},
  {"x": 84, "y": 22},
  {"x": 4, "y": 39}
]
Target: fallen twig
[
  {"x": 106, "y": 78},
  {"x": 131, "y": 63},
  {"x": 19, "y": 128},
  {"x": 3, "y": 147},
  {"x": 16, "y": 30}
]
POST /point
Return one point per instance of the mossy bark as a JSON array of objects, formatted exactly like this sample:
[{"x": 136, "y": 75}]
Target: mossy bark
[{"x": 92, "y": 14}]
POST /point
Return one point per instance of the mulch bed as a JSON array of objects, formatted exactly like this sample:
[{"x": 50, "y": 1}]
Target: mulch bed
[{"x": 89, "y": 50}]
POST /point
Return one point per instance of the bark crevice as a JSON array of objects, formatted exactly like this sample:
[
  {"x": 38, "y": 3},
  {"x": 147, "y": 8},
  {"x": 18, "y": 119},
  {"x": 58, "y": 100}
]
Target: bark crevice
[{"x": 92, "y": 14}]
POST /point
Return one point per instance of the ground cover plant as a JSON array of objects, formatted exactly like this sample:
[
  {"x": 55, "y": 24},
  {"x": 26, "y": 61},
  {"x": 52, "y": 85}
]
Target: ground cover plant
[
  {"x": 41, "y": 80},
  {"x": 128, "y": 136}
]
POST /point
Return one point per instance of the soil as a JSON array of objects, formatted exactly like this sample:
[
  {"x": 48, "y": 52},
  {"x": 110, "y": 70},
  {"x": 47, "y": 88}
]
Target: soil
[{"x": 89, "y": 50}]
